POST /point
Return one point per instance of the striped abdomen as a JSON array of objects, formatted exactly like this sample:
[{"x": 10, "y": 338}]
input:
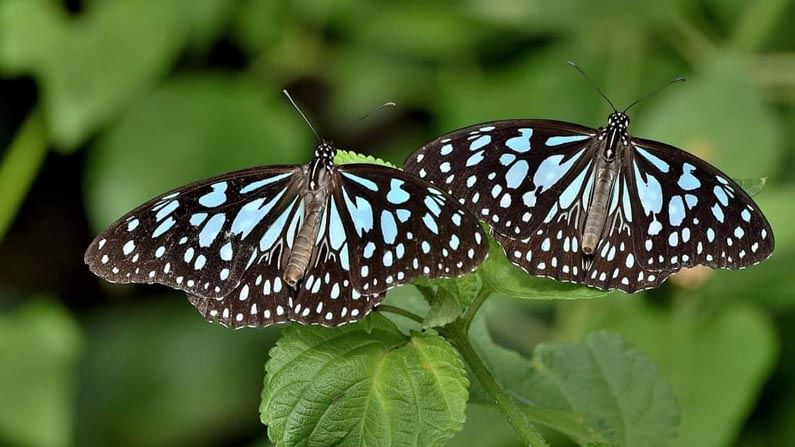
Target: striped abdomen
[
  {"x": 304, "y": 242},
  {"x": 597, "y": 211}
]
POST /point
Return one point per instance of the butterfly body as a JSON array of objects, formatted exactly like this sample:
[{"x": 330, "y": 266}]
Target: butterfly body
[
  {"x": 318, "y": 243},
  {"x": 596, "y": 206}
]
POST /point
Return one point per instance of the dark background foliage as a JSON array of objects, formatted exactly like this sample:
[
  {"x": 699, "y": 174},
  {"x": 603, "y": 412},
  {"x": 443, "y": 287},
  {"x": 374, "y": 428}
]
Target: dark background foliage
[{"x": 104, "y": 103}]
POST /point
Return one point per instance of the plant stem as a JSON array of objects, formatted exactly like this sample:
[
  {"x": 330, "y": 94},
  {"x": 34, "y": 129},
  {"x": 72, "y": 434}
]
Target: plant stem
[
  {"x": 399, "y": 311},
  {"x": 19, "y": 167},
  {"x": 457, "y": 335}
]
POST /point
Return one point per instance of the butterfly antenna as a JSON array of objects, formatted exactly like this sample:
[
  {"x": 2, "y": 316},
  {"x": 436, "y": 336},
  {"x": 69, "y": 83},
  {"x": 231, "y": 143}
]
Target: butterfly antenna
[
  {"x": 367, "y": 115},
  {"x": 302, "y": 115},
  {"x": 577, "y": 67},
  {"x": 672, "y": 81}
]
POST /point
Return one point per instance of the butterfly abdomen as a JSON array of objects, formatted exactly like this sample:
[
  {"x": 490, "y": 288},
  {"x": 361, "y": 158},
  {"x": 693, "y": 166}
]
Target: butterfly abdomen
[
  {"x": 597, "y": 211},
  {"x": 299, "y": 258}
]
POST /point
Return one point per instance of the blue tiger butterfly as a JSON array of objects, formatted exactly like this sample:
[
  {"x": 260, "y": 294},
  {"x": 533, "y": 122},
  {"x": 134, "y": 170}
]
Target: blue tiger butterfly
[
  {"x": 596, "y": 206},
  {"x": 318, "y": 243}
]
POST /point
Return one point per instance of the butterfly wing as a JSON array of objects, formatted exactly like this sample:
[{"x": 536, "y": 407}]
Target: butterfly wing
[
  {"x": 199, "y": 238},
  {"x": 399, "y": 227},
  {"x": 505, "y": 171},
  {"x": 687, "y": 212}
]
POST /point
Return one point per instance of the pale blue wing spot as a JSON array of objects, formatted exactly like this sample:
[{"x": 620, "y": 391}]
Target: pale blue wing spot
[
  {"x": 557, "y": 141},
  {"x": 216, "y": 197},
  {"x": 570, "y": 194},
  {"x": 746, "y": 215},
  {"x": 369, "y": 184},
  {"x": 687, "y": 180},
  {"x": 474, "y": 159},
  {"x": 480, "y": 142},
  {"x": 128, "y": 247},
  {"x": 361, "y": 213},
  {"x": 132, "y": 225},
  {"x": 722, "y": 180},
  {"x": 403, "y": 215},
  {"x": 164, "y": 226},
  {"x": 454, "y": 242},
  {"x": 336, "y": 231},
  {"x": 197, "y": 219},
  {"x": 673, "y": 239},
  {"x": 387, "y": 259},
  {"x": 166, "y": 210},
  {"x": 272, "y": 233},
  {"x": 721, "y": 195},
  {"x": 552, "y": 169},
  {"x": 226, "y": 252},
  {"x": 369, "y": 249},
  {"x": 264, "y": 182},
  {"x": 432, "y": 205},
  {"x": 426, "y": 247},
  {"x": 516, "y": 174},
  {"x": 653, "y": 159},
  {"x": 685, "y": 234},
  {"x": 717, "y": 211},
  {"x": 161, "y": 250},
  {"x": 295, "y": 224},
  {"x": 649, "y": 192},
  {"x": 388, "y": 227},
  {"x": 344, "y": 261},
  {"x": 396, "y": 195},
  {"x": 739, "y": 233},
  {"x": 691, "y": 200},
  {"x": 400, "y": 250},
  {"x": 626, "y": 204},
  {"x": 211, "y": 229},
  {"x": 430, "y": 222},
  {"x": 446, "y": 149},
  {"x": 200, "y": 261},
  {"x": 520, "y": 143},
  {"x": 252, "y": 213},
  {"x": 614, "y": 197},
  {"x": 321, "y": 234},
  {"x": 507, "y": 158},
  {"x": 676, "y": 211},
  {"x": 655, "y": 227},
  {"x": 188, "y": 254},
  {"x": 456, "y": 218}
]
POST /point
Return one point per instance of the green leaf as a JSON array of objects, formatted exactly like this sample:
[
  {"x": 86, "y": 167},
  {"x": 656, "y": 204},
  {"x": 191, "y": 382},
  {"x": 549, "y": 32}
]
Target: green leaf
[
  {"x": 445, "y": 308},
  {"x": 602, "y": 389},
  {"x": 719, "y": 116},
  {"x": 501, "y": 276},
  {"x": 717, "y": 365},
  {"x": 348, "y": 157},
  {"x": 363, "y": 384},
  {"x": 40, "y": 343},
  {"x": 189, "y": 128},
  {"x": 90, "y": 69}
]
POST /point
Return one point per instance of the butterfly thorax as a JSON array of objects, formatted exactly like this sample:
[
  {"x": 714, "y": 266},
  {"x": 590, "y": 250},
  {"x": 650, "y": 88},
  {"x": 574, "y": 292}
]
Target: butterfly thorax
[
  {"x": 614, "y": 140},
  {"x": 314, "y": 193}
]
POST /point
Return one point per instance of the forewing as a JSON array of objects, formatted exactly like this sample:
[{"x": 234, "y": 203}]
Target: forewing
[
  {"x": 198, "y": 238},
  {"x": 687, "y": 212},
  {"x": 398, "y": 227},
  {"x": 504, "y": 171}
]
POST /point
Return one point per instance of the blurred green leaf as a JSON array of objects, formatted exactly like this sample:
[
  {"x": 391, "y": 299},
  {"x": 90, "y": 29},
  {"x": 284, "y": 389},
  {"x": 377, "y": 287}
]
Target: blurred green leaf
[
  {"x": 39, "y": 347},
  {"x": 485, "y": 427},
  {"x": 190, "y": 128},
  {"x": 716, "y": 365},
  {"x": 91, "y": 67},
  {"x": 445, "y": 308},
  {"x": 501, "y": 276},
  {"x": 363, "y": 384},
  {"x": 719, "y": 116},
  {"x": 597, "y": 390},
  {"x": 157, "y": 374}
]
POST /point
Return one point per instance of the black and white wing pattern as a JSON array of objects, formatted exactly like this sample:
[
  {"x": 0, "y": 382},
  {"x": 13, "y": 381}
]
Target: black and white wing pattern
[
  {"x": 532, "y": 181},
  {"x": 199, "y": 238},
  {"x": 687, "y": 212},
  {"x": 506, "y": 172}
]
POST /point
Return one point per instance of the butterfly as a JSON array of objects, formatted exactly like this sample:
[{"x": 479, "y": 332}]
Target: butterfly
[
  {"x": 596, "y": 206},
  {"x": 318, "y": 243}
]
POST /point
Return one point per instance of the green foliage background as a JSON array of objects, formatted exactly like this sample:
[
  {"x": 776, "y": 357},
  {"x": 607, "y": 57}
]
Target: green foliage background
[{"x": 105, "y": 103}]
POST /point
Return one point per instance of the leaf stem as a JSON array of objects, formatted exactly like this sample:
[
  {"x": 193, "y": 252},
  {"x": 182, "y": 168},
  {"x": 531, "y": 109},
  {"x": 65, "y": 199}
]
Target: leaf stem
[
  {"x": 19, "y": 167},
  {"x": 399, "y": 311},
  {"x": 457, "y": 335}
]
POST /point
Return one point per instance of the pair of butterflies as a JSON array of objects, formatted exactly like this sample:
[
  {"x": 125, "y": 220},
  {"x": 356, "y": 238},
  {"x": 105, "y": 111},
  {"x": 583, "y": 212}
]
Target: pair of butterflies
[{"x": 322, "y": 243}]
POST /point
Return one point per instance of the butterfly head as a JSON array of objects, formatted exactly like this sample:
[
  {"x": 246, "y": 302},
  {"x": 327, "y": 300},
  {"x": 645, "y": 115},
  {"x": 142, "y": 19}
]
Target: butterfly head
[
  {"x": 618, "y": 120},
  {"x": 325, "y": 152}
]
